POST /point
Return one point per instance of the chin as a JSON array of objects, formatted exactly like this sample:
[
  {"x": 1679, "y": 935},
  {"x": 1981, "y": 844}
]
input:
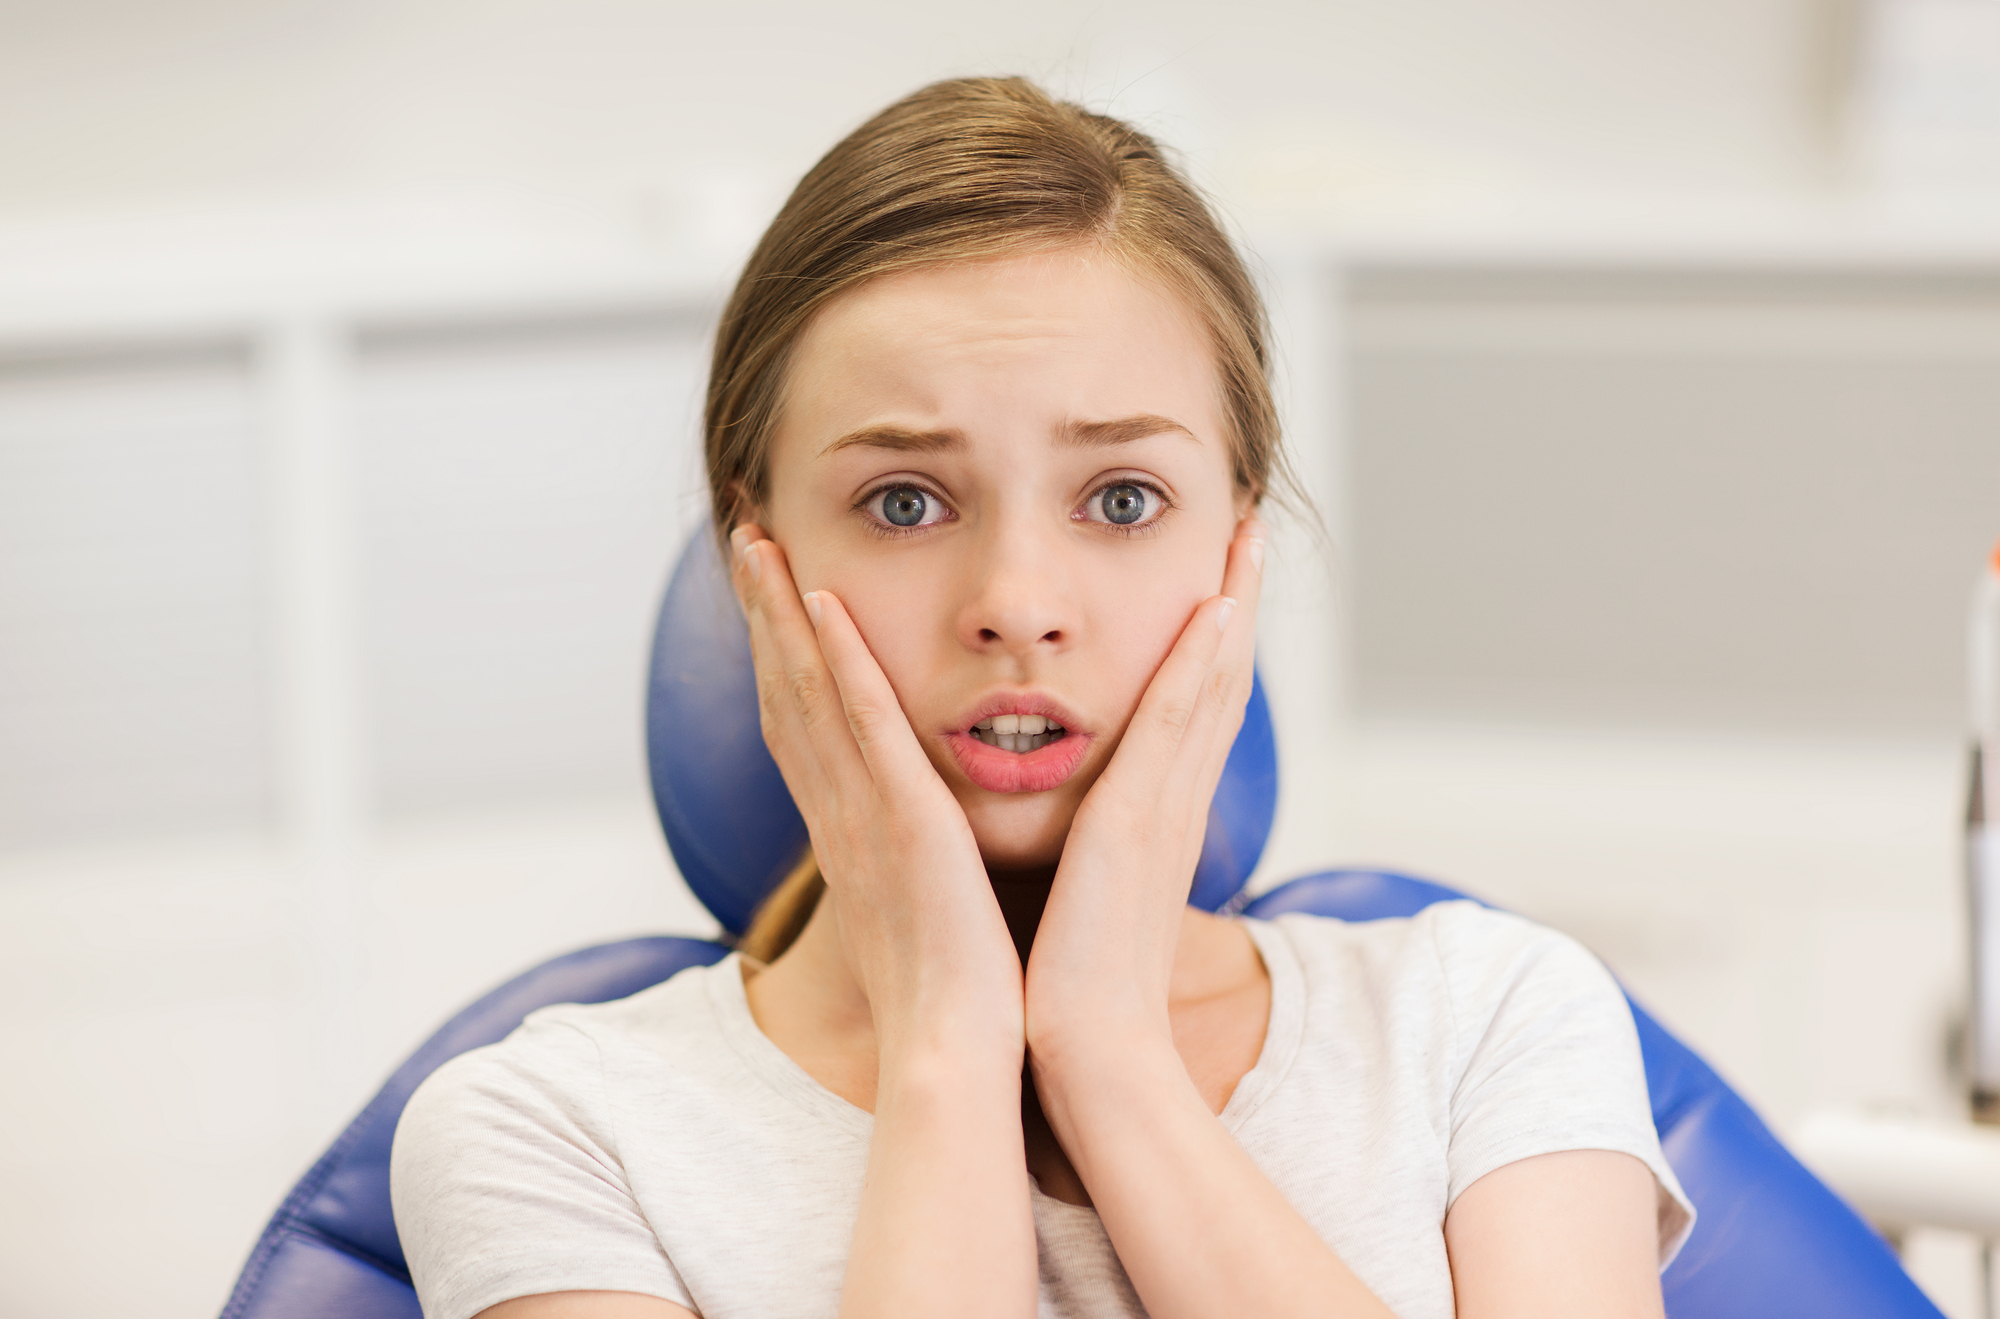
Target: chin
[{"x": 1020, "y": 835}]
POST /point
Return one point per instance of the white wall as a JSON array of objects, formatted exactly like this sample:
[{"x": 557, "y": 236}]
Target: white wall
[
  {"x": 1747, "y": 499},
  {"x": 116, "y": 99}
]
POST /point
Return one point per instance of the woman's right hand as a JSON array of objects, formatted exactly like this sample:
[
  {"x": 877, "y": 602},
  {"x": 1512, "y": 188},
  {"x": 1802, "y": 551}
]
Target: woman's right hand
[
  {"x": 924, "y": 935},
  {"x": 944, "y": 1224}
]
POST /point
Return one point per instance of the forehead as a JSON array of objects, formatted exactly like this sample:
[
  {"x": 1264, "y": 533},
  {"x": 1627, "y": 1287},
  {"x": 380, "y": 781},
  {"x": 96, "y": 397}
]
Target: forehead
[{"x": 1001, "y": 348}]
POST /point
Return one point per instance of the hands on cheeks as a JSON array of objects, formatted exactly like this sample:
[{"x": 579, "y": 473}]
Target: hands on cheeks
[
  {"x": 916, "y": 906},
  {"x": 924, "y": 934}
]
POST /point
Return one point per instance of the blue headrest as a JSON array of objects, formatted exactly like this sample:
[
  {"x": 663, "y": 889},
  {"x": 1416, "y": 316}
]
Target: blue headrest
[{"x": 731, "y": 823}]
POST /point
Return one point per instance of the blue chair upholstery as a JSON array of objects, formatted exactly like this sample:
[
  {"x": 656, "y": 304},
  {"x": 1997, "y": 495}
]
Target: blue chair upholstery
[{"x": 1771, "y": 1241}]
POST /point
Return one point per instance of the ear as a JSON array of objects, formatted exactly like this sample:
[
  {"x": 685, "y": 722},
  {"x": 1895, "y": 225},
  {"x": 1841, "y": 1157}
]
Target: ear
[{"x": 743, "y": 508}]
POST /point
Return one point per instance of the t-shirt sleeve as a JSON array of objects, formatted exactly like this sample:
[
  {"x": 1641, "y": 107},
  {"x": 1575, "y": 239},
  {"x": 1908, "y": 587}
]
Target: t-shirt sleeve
[
  {"x": 1550, "y": 1057},
  {"x": 506, "y": 1180}
]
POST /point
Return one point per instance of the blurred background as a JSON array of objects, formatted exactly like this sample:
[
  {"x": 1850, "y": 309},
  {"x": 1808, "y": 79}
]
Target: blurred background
[{"x": 1641, "y": 355}]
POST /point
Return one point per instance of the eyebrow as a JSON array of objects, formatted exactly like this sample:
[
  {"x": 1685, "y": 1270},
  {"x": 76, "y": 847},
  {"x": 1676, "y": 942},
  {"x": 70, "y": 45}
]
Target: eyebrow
[
  {"x": 896, "y": 437},
  {"x": 1104, "y": 434},
  {"x": 1076, "y": 435}
]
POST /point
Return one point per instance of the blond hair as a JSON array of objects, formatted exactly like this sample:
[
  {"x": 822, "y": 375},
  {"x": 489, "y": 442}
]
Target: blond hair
[{"x": 963, "y": 170}]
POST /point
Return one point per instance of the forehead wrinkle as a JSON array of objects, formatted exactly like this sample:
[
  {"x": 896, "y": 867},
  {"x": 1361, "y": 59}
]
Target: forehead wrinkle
[{"x": 899, "y": 439}]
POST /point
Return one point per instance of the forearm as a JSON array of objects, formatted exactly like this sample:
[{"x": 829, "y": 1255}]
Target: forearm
[
  {"x": 945, "y": 1225},
  {"x": 1198, "y": 1226}
]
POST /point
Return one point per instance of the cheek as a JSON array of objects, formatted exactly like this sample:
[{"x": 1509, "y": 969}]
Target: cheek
[
  {"x": 896, "y": 611},
  {"x": 1139, "y": 617}
]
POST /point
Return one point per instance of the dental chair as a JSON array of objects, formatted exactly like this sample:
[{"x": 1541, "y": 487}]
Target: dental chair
[{"x": 1770, "y": 1242}]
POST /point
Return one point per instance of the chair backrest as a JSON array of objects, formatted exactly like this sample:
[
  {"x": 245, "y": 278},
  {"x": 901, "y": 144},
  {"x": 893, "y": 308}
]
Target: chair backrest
[{"x": 728, "y": 818}]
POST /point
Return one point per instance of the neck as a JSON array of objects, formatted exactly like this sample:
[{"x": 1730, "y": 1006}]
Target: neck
[
  {"x": 816, "y": 966},
  {"x": 1022, "y": 895},
  {"x": 817, "y": 962}
]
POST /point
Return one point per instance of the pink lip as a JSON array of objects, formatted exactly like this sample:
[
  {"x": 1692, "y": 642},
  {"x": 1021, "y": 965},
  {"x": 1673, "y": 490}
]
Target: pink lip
[{"x": 1017, "y": 771}]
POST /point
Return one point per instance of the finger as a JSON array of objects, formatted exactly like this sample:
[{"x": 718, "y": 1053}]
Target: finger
[
  {"x": 874, "y": 715},
  {"x": 1199, "y": 657},
  {"x": 796, "y": 692},
  {"x": 742, "y": 569},
  {"x": 1171, "y": 709},
  {"x": 1234, "y": 672},
  {"x": 1187, "y": 719},
  {"x": 1242, "y": 581},
  {"x": 786, "y": 734}
]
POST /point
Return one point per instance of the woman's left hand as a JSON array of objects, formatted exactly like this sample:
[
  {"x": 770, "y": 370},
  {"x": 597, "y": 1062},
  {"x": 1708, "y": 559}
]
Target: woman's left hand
[
  {"x": 1159, "y": 1165},
  {"x": 1104, "y": 951}
]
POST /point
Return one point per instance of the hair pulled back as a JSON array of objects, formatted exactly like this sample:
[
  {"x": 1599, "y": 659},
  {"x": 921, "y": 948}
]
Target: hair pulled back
[{"x": 963, "y": 170}]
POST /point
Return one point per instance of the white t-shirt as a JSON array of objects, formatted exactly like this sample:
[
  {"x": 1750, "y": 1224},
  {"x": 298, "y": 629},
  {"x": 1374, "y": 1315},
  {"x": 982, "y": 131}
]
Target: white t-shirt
[{"x": 661, "y": 1144}]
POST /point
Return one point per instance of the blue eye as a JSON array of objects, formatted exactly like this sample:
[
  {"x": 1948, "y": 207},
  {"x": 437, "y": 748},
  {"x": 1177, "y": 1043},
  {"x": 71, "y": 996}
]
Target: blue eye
[
  {"x": 905, "y": 507},
  {"x": 1126, "y": 505},
  {"x": 1123, "y": 504}
]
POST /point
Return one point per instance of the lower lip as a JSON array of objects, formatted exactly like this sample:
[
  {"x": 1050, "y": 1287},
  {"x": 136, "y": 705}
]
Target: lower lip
[{"x": 1018, "y": 771}]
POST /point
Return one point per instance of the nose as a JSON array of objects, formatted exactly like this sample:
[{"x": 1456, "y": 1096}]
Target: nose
[{"x": 1019, "y": 599}]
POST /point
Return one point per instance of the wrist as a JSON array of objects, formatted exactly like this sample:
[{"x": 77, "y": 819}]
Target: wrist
[
  {"x": 1110, "y": 1087},
  {"x": 928, "y": 1011},
  {"x": 936, "y": 1049},
  {"x": 949, "y": 1080},
  {"x": 1096, "y": 1027},
  {"x": 1104, "y": 1057}
]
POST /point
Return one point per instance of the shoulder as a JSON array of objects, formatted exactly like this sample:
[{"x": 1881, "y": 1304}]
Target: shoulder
[
  {"x": 507, "y": 1175},
  {"x": 1476, "y": 950},
  {"x": 1473, "y": 953},
  {"x": 547, "y": 1063},
  {"x": 1454, "y": 979},
  {"x": 1489, "y": 957},
  {"x": 546, "y": 1076},
  {"x": 1511, "y": 1037},
  {"x": 1512, "y": 1022}
]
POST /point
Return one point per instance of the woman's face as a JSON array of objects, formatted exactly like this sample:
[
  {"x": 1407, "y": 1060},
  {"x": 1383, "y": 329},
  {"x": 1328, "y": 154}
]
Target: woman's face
[{"x": 1015, "y": 475}]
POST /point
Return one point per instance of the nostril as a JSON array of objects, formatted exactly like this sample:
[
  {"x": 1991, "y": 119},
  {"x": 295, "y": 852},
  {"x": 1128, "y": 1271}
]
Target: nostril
[
  {"x": 988, "y": 634},
  {"x": 1052, "y": 636}
]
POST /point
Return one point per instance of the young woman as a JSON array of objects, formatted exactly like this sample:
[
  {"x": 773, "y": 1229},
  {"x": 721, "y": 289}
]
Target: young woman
[{"x": 989, "y": 425}]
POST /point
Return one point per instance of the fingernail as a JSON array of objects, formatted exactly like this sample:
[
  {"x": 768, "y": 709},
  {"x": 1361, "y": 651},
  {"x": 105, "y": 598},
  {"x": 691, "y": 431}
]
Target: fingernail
[
  {"x": 1256, "y": 553},
  {"x": 812, "y": 606},
  {"x": 1222, "y": 614}
]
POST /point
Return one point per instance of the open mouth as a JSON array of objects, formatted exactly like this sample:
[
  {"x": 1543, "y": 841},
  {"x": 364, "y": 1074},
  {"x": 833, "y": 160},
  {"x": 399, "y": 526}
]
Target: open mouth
[
  {"x": 1019, "y": 733},
  {"x": 1008, "y": 749}
]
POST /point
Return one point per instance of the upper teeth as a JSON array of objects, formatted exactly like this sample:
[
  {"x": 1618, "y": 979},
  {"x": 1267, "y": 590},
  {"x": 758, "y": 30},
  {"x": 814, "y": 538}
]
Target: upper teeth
[
  {"x": 1018, "y": 723},
  {"x": 1017, "y": 732}
]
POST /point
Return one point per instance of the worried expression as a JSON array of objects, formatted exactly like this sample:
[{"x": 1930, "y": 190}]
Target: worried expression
[{"x": 1016, "y": 475}]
